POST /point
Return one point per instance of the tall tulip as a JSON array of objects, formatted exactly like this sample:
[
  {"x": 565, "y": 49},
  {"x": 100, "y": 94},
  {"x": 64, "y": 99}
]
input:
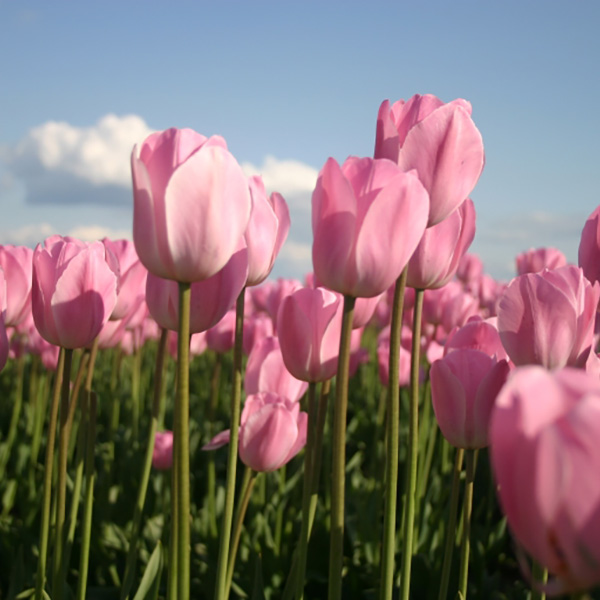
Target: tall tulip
[
  {"x": 17, "y": 264},
  {"x": 589, "y": 247}
]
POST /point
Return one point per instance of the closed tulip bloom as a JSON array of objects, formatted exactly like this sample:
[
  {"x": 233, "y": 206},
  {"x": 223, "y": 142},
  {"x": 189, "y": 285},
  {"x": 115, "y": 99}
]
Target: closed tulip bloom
[
  {"x": 210, "y": 298},
  {"x": 545, "y": 456},
  {"x": 535, "y": 260},
  {"x": 358, "y": 210},
  {"x": 256, "y": 327},
  {"x": 221, "y": 336},
  {"x": 464, "y": 386},
  {"x": 266, "y": 372},
  {"x": 477, "y": 334},
  {"x": 74, "y": 290},
  {"x": 17, "y": 264},
  {"x": 436, "y": 259},
  {"x": 267, "y": 230},
  {"x": 589, "y": 247},
  {"x": 162, "y": 455},
  {"x": 440, "y": 141},
  {"x": 548, "y": 318},
  {"x": 309, "y": 325},
  {"x": 4, "y": 343},
  {"x": 191, "y": 204}
]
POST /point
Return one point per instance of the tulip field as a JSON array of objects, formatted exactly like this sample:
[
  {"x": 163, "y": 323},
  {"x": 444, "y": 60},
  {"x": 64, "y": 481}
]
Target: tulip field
[{"x": 399, "y": 425}]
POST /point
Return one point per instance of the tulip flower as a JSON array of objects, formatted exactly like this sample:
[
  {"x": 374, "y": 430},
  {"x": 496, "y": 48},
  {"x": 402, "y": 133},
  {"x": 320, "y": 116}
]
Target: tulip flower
[
  {"x": 191, "y": 204},
  {"x": 267, "y": 230},
  {"x": 548, "y": 318},
  {"x": 309, "y": 325},
  {"x": 440, "y": 141},
  {"x": 464, "y": 386},
  {"x": 477, "y": 334},
  {"x": 545, "y": 456},
  {"x": 358, "y": 210},
  {"x": 589, "y": 247},
  {"x": 535, "y": 260},
  {"x": 17, "y": 264},
  {"x": 4, "y": 345},
  {"x": 221, "y": 336},
  {"x": 74, "y": 290},
  {"x": 256, "y": 327},
  {"x": 162, "y": 455},
  {"x": 438, "y": 255}
]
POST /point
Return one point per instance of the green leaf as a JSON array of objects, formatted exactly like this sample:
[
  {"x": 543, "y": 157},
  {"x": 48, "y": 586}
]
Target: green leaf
[
  {"x": 25, "y": 594},
  {"x": 258, "y": 587},
  {"x": 150, "y": 583}
]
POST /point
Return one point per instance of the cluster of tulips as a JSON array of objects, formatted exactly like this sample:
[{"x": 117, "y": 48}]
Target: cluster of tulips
[{"x": 511, "y": 366}]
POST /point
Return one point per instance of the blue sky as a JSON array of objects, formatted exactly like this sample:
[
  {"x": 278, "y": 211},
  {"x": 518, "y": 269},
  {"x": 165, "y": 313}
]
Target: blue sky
[{"x": 289, "y": 84}]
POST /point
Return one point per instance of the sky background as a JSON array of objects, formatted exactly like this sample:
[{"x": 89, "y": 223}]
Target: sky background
[{"x": 289, "y": 84}]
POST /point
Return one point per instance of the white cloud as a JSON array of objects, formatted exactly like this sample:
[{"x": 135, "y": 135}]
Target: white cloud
[
  {"x": 60, "y": 163},
  {"x": 89, "y": 233}
]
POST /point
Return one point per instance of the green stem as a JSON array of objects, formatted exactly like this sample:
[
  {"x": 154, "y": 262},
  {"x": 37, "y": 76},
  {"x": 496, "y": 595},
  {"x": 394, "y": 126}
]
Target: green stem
[
  {"x": 221, "y": 579},
  {"x": 392, "y": 439},
  {"x": 338, "y": 483},
  {"x": 173, "y": 556},
  {"x": 413, "y": 444},
  {"x": 49, "y": 462},
  {"x": 211, "y": 470},
  {"x": 135, "y": 391},
  {"x": 238, "y": 522},
  {"x": 89, "y": 493},
  {"x": 40, "y": 405},
  {"x": 61, "y": 491},
  {"x": 451, "y": 525},
  {"x": 540, "y": 575},
  {"x": 281, "y": 479},
  {"x": 16, "y": 415},
  {"x": 182, "y": 434},
  {"x": 309, "y": 459},
  {"x": 146, "y": 468},
  {"x": 467, "y": 508}
]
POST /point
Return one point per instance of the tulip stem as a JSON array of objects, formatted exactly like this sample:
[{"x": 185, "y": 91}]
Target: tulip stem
[
  {"x": 413, "y": 448},
  {"x": 309, "y": 460},
  {"x": 338, "y": 483},
  {"x": 14, "y": 419},
  {"x": 49, "y": 462},
  {"x": 539, "y": 575},
  {"x": 232, "y": 456},
  {"x": 211, "y": 483},
  {"x": 146, "y": 468},
  {"x": 392, "y": 439},
  {"x": 467, "y": 508},
  {"x": 238, "y": 522},
  {"x": 182, "y": 434},
  {"x": 451, "y": 524}
]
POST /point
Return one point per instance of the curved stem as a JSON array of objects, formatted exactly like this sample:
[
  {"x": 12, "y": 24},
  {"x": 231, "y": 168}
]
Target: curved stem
[
  {"x": 413, "y": 444},
  {"x": 451, "y": 525},
  {"x": 221, "y": 579},
  {"x": 338, "y": 483},
  {"x": 467, "y": 507},
  {"x": 49, "y": 461},
  {"x": 391, "y": 459}
]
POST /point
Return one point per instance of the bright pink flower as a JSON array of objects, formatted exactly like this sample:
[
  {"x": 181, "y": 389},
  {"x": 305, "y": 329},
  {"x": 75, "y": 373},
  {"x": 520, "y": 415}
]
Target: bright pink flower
[
  {"x": 191, "y": 204},
  {"x": 162, "y": 455},
  {"x": 440, "y": 141},
  {"x": 436, "y": 259},
  {"x": 589, "y": 247},
  {"x": 535, "y": 260},
  {"x": 132, "y": 278},
  {"x": 477, "y": 334},
  {"x": 272, "y": 432},
  {"x": 210, "y": 298},
  {"x": 545, "y": 455},
  {"x": 74, "y": 290},
  {"x": 221, "y": 336},
  {"x": 548, "y": 318},
  {"x": 266, "y": 372},
  {"x": 358, "y": 211},
  {"x": 17, "y": 264},
  {"x": 267, "y": 230},
  {"x": 309, "y": 325},
  {"x": 464, "y": 386}
]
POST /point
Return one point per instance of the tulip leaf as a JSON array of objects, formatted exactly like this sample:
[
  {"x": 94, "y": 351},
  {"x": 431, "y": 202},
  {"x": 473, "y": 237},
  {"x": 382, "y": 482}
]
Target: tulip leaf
[{"x": 150, "y": 583}]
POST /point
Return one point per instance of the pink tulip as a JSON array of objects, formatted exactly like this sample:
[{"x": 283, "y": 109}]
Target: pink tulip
[
  {"x": 440, "y": 141},
  {"x": 266, "y": 372},
  {"x": 309, "y": 326},
  {"x": 477, "y": 334},
  {"x": 548, "y": 318},
  {"x": 279, "y": 290},
  {"x": 162, "y": 455},
  {"x": 74, "y": 290},
  {"x": 272, "y": 432},
  {"x": 589, "y": 247},
  {"x": 132, "y": 278},
  {"x": 4, "y": 343},
  {"x": 464, "y": 386},
  {"x": 17, "y": 264},
  {"x": 256, "y": 327},
  {"x": 535, "y": 260},
  {"x": 545, "y": 455},
  {"x": 357, "y": 211},
  {"x": 210, "y": 298},
  {"x": 221, "y": 336},
  {"x": 436, "y": 259},
  {"x": 383, "y": 360},
  {"x": 267, "y": 230},
  {"x": 191, "y": 204}
]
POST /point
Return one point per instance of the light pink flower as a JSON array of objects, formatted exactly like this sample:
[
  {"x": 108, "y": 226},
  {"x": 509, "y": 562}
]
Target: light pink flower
[{"x": 535, "y": 260}]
